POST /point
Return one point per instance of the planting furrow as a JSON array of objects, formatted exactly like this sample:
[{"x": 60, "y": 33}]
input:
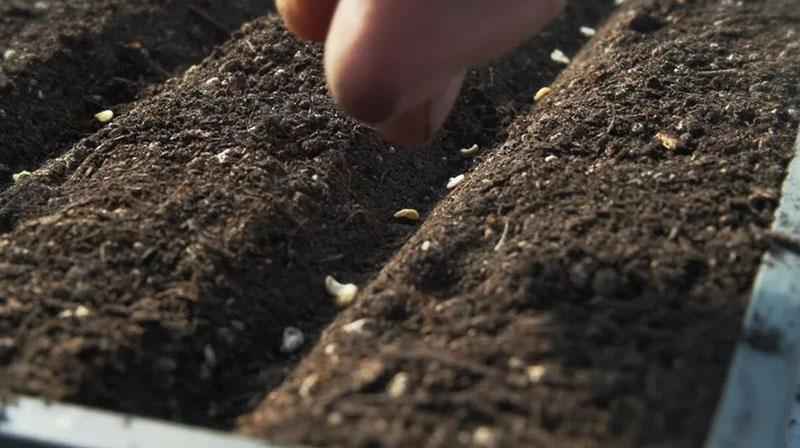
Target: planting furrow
[
  {"x": 585, "y": 284},
  {"x": 155, "y": 267},
  {"x": 63, "y": 61}
]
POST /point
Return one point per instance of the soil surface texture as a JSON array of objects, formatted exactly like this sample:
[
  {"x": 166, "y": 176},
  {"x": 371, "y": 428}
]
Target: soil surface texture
[
  {"x": 154, "y": 266},
  {"x": 583, "y": 286},
  {"x": 62, "y": 61}
]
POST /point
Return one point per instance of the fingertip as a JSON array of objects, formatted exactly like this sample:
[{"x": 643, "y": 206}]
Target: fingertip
[
  {"x": 359, "y": 82},
  {"x": 308, "y": 19},
  {"x": 417, "y": 125},
  {"x": 411, "y": 128}
]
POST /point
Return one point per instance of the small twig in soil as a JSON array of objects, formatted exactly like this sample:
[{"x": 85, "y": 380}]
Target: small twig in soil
[
  {"x": 724, "y": 71},
  {"x": 502, "y": 237},
  {"x": 782, "y": 240}
]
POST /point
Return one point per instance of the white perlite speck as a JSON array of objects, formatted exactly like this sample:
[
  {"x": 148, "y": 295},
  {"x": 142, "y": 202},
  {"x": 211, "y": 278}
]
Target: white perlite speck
[
  {"x": 359, "y": 326},
  {"x": 293, "y": 339},
  {"x": 588, "y": 31}
]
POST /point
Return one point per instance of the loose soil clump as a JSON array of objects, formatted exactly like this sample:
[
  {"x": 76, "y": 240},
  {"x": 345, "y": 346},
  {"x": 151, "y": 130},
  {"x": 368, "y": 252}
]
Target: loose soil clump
[
  {"x": 585, "y": 284},
  {"x": 154, "y": 267}
]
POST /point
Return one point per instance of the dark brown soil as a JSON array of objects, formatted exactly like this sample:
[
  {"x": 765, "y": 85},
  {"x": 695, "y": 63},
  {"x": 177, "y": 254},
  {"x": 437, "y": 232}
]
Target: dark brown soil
[
  {"x": 154, "y": 266},
  {"x": 585, "y": 285},
  {"x": 71, "y": 59}
]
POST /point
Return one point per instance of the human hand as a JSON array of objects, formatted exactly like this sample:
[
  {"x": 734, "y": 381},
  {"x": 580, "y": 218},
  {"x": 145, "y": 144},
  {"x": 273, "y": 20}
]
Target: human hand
[{"x": 399, "y": 64}]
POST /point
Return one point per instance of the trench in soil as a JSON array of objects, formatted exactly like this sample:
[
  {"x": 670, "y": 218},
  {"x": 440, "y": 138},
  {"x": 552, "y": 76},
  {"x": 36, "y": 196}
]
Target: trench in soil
[{"x": 201, "y": 222}]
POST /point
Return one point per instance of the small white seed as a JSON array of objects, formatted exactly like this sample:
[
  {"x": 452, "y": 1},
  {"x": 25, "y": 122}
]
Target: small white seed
[
  {"x": 588, "y": 31},
  {"x": 104, "y": 116},
  {"x": 21, "y": 175},
  {"x": 472, "y": 150},
  {"x": 223, "y": 156},
  {"x": 359, "y": 326},
  {"x": 407, "y": 213},
  {"x": 559, "y": 56},
  {"x": 293, "y": 339},
  {"x": 543, "y": 92},
  {"x": 454, "y": 181},
  {"x": 344, "y": 293},
  {"x": 82, "y": 311},
  {"x": 398, "y": 386}
]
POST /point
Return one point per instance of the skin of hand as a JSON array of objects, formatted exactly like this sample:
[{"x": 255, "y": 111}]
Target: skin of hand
[{"x": 399, "y": 64}]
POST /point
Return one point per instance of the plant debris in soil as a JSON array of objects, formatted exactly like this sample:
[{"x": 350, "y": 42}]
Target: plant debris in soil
[
  {"x": 585, "y": 284},
  {"x": 155, "y": 266}
]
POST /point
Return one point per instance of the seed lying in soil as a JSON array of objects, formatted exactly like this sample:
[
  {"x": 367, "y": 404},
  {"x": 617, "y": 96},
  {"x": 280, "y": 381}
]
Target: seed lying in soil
[
  {"x": 408, "y": 214},
  {"x": 358, "y": 327},
  {"x": 543, "y": 92},
  {"x": 588, "y": 31},
  {"x": 21, "y": 175},
  {"x": 344, "y": 293},
  {"x": 472, "y": 150},
  {"x": 550, "y": 158},
  {"x": 293, "y": 339},
  {"x": 104, "y": 116},
  {"x": 560, "y": 57},
  {"x": 667, "y": 141},
  {"x": 454, "y": 181}
]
